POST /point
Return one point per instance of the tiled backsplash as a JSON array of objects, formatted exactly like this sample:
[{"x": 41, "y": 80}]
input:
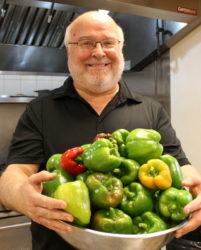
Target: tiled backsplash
[{"x": 27, "y": 84}]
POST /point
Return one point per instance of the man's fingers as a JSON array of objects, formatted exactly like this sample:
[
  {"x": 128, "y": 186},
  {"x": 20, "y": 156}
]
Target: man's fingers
[
  {"x": 50, "y": 203},
  {"x": 55, "y": 225},
  {"x": 45, "y": 210},
  {"x": 54, "y": 214},
  {"x": 41, "y": 177},
  {"x": 193, "y": 205},
  {"x": 193, "y": 223},
  {"x": 195, "y": 180}
]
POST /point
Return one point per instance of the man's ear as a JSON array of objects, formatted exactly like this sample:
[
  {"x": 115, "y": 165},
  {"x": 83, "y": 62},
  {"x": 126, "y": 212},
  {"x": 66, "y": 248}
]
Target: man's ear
[
  {"x": 66, "y": 47},
  {"x": 67, "y": 52}
]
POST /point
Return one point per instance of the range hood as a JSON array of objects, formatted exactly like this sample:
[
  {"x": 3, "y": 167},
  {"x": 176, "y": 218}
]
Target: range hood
[{"x": 32, "y": 32}]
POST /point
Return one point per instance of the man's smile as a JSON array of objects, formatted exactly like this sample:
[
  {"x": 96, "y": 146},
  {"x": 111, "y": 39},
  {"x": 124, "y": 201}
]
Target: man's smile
[{"x": 98, "y": 65}]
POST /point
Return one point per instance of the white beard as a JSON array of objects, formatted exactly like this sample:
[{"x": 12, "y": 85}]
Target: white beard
[{"x": 100, "y": 81}]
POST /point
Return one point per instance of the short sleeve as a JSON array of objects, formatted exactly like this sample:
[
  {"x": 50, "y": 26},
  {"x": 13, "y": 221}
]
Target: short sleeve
[
  {"x": 169, "y": 138},
  {"x": 27, "y": 142}
]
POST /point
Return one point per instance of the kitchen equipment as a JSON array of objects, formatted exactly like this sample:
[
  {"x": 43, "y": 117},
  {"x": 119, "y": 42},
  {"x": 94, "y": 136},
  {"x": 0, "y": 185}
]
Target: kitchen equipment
[
  {"x": 42, "y": 92},
  {"x": 14, "y": 230},
  {"x": 87, "y": 239},
  {"x": 11, "y": 109}
]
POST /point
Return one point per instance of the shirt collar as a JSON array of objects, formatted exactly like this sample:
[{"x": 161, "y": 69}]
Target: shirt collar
[
  {"x": 68, "y": 90},
  {"x": 125, "y": 93}
]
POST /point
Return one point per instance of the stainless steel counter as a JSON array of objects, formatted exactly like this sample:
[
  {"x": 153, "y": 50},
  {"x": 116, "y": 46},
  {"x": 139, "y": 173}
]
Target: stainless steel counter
[
  {"x": 14, "y": 227},
  {"x": 15, "y": 233},
  {"x": 14, "y": 230}
]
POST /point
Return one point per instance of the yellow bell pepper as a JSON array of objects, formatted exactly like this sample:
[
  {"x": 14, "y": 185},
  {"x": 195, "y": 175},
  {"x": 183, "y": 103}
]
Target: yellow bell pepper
[{"x": 155, "y": 174}]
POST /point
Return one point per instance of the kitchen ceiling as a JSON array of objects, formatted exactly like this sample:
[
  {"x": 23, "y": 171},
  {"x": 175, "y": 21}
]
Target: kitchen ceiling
[{"x": 32, "y": 33}]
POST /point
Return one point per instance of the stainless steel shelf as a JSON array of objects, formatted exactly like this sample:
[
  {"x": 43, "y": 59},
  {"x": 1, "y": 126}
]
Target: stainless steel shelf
[{"x": 16, "y": 99}]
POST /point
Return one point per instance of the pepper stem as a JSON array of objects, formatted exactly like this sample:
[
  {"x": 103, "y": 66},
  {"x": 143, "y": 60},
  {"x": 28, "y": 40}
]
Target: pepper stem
[
  {"x": 78, "y": 158},
  {"x": 117, "y": 171},
  {"x": 153, "y": 171},
  {"x": 112, "y": 212},
  {"x": 142, "y": 225}
]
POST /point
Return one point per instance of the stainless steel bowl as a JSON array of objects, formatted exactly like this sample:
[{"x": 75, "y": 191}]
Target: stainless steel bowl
[{"x": 88, "y": 239}]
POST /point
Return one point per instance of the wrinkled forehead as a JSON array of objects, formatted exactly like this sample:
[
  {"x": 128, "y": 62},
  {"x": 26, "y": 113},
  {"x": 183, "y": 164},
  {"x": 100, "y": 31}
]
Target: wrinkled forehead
[{"x": 94, "y": 26}]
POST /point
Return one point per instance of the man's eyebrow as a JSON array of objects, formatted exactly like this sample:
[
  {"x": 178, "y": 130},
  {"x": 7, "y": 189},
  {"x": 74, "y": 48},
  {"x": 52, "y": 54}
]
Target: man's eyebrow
[
  {"x": 92, "y": 38},
  {"x": 85, "y": 37}
]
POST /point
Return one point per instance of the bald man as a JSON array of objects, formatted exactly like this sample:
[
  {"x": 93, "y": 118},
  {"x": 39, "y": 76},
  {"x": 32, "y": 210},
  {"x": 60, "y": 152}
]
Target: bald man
[{"x": 92, "y": 100}]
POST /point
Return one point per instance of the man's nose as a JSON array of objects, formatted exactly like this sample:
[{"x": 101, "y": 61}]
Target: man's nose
[{"x": 98, "y": 51}]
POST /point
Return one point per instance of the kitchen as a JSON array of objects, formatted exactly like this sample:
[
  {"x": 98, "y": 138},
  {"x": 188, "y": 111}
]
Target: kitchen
[{"x": 28, "y": 76}]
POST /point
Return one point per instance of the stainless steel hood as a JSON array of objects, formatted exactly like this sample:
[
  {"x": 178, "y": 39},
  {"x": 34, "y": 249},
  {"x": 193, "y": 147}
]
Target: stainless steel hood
[
  {"x": 175, "y": 10},
  {"x": 31, "y": 35},
  {"x": 34, "y": 23},
  {"x": 32, "y": 32}
]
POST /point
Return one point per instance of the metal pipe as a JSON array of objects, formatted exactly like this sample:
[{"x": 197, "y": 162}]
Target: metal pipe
[{"x": 51, "y": 13}]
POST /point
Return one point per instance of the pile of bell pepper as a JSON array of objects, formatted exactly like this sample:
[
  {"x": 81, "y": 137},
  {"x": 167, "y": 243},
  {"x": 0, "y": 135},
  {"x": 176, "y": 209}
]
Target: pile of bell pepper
[{"x": 120, "y": 183}]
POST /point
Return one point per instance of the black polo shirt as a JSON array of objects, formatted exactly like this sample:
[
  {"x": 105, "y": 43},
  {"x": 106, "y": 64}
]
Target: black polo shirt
[{"x": 62, "y": 119}]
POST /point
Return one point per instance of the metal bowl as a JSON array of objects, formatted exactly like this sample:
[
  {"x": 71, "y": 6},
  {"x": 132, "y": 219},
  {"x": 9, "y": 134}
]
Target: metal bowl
[{"x": 88, "y": 239}]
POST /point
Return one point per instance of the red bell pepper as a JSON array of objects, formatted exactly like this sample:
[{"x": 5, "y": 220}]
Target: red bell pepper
[{"x": 69, "y": 163}]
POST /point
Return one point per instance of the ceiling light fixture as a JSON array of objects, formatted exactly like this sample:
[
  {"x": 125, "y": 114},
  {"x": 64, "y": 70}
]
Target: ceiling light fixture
[{"x": 104, "y": 11}]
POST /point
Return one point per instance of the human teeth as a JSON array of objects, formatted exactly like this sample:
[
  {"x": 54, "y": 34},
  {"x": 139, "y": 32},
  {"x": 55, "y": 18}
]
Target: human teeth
[{"x": 96, "y": 65}]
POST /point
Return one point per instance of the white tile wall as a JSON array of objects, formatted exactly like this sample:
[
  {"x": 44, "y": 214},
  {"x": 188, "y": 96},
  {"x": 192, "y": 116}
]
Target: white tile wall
[
  {"x": 1, "y": 83},
  {"x": 27, "y": 84}
]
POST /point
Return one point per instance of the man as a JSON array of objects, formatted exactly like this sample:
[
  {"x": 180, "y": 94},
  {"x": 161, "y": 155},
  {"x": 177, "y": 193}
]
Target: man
[{"x": 94, "y": 100}]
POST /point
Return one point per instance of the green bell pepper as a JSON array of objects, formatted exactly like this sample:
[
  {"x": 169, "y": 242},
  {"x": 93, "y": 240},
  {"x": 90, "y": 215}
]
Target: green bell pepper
[
  {"x": 112, "y": 220},
  {"x": 148, "y": 222},
  {"x": 106, "y": 136},
  {"x": 76, "y": 196},
  {"x": 83, "y": 176},
  {"x": 79, "y": 157},
  {"x": 62, "y": 177},
  {"x": 54, "y": 162},
  {"x": 86, "y": 146},
  {"x": 105, "y": 190},
  {"x": 143, "y": 145},
  {"x": 172, "y": 202},
  {"x": 136, "y": 199},
  {"x": 175, "y": 170},
  {"x": 120, "y": 136},
  {"x": 127, "y": 172},
  {"x": 102, "y": 156}
]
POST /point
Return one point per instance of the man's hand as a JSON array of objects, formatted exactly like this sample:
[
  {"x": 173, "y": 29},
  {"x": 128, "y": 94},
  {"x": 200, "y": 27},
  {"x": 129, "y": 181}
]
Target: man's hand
[
  {"x": 40, "y": 208},
  {"x": 194, "y": 207}
]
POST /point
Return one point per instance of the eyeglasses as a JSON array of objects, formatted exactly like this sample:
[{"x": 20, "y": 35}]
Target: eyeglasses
[{"x": 86, "y": 44}]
